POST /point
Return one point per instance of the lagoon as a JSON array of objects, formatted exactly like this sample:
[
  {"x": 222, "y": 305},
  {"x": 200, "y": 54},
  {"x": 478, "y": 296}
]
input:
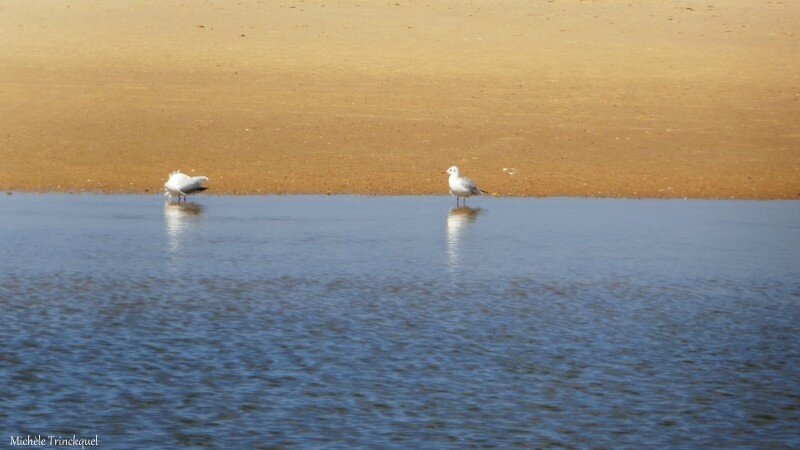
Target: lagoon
[{"x": 400, "y": 322}]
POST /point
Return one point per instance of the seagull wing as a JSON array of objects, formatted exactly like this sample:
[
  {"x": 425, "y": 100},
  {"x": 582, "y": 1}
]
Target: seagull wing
[
  {"x": 470, "y": 186},
  {"x": 193, "y": 184}
]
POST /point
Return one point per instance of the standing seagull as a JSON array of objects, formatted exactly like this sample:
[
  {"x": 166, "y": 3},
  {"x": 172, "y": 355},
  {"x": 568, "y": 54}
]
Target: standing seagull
[
  {"x": 179, "y": 184},
  {"x": 462, "y": 187}
]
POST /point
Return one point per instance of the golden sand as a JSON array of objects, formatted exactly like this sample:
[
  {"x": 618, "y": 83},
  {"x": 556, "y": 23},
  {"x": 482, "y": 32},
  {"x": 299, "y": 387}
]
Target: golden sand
[{"x": 604, "y": 98}]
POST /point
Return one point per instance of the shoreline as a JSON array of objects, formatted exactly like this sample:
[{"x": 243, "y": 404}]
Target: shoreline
[{"x": 12, "y": 193}]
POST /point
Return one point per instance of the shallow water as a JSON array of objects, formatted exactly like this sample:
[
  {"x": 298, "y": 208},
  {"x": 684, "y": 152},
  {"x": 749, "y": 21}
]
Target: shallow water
[{"x": 400, "y": 322}]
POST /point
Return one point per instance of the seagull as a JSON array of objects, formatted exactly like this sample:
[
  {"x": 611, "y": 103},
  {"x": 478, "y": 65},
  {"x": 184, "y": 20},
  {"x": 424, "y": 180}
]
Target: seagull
[
  {"x": 179, "y": 184},
  {"x": 462, "y": 187}
]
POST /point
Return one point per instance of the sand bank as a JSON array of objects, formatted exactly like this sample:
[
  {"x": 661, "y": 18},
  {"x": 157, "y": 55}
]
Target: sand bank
[{"x": 581, "y": 98}]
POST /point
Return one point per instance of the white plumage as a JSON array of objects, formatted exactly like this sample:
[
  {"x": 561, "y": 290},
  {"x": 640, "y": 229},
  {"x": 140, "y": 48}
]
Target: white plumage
[
  {"x": 462, "y": 187},
  {"x": 179, "y": 184}
]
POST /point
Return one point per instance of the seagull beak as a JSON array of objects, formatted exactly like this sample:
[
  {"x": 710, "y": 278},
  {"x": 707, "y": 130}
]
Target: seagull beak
[{"x": 444, "y": 171}]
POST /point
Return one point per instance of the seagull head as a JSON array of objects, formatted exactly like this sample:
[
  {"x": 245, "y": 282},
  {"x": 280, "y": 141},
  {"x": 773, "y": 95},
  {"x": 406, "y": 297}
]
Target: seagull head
[{"x": 452, "y": 171}]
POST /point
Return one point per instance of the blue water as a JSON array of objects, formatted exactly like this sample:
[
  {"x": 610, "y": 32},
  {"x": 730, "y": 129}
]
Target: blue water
[{"x": 250, "y": 322}]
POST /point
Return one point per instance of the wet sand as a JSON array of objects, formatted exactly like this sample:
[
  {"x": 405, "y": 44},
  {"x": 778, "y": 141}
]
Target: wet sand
[{"x": 602, "y": 98}]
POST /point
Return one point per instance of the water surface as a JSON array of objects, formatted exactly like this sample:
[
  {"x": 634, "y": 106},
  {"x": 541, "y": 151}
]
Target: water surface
[{"x": 400, "y": 321}]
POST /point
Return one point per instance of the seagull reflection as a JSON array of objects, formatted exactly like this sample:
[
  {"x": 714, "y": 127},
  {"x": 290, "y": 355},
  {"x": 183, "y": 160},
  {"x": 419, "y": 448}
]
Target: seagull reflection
[
  {"x": 457, "y": 221},
  {"x": 179, "y": 218}
]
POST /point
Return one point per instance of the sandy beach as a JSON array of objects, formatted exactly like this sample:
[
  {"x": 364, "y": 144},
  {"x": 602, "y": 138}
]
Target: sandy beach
[{"x": 659, "y": 98}]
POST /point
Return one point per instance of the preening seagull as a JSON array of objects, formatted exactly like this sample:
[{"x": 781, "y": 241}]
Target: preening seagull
[
  {"x": 179, "y": 184},
  {"x": 462, "y": 187}
]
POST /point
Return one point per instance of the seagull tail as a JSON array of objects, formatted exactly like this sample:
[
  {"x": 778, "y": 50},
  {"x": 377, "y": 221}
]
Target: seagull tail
[{"x": 487, "y": 192}]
